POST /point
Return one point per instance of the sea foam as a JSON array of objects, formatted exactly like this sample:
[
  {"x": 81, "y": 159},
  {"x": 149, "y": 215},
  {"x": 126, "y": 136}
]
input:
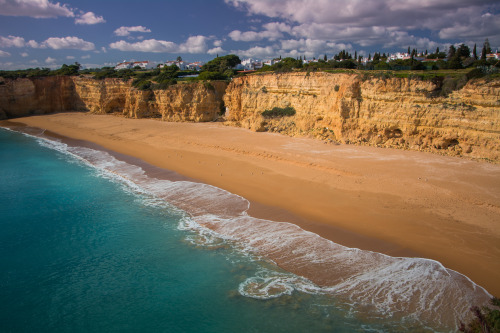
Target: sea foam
[{"x": 374, "y": 284}]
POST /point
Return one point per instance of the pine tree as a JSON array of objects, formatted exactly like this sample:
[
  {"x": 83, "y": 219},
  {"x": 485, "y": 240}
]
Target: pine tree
[
  {"x": 487, "y": 46},
  {"x": 474, "y": 52},
  {"x": 451, "y": 51},
  {"x": 325, "y": 58}
]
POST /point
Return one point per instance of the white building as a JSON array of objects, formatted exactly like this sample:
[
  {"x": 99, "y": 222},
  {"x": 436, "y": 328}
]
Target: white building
[
  {"x": 492, "y": 56},
  {"x": 132, "y": 65},
  {"x": 181, "y": 64},
  {"x": 400, "y": 56},
  {"x": 250, "y": 64},
  {"x": 195, "y": 66},
  {"x": 123, "y": 65},
  {"x": 143, "y": 64}
]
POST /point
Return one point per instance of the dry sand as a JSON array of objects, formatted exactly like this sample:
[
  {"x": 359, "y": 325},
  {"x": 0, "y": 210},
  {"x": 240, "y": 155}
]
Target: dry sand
[{"x": 397, "y": 202}]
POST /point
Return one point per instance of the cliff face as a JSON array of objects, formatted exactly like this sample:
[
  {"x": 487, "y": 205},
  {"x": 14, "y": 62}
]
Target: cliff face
[
  {"x": 30, "y": 96},
  {"x": 392, "y": 112},
  {"x": 348, "y": 108},
  {"x": 180, "y": 102}
]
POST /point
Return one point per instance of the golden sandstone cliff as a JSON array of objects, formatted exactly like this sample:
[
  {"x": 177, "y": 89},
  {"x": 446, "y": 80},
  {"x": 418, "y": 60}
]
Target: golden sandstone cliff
[
  {"x": 390, "y": 112},
  {"x": 349, "y": 108},
  {"x": 30, "y": 96},
  {"x": 181, "y": 102}
]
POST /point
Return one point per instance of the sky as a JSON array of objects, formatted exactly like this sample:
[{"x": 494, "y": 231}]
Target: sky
[{"x": 97, "y": 33}]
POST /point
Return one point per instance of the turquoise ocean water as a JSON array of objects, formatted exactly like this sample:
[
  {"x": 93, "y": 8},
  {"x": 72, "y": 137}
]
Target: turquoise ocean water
[{"x": 91, "y": 244}]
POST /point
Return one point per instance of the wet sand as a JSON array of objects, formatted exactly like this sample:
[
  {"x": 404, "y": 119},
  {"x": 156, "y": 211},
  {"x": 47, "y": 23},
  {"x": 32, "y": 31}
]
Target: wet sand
[{"x": 396, "y": 202}]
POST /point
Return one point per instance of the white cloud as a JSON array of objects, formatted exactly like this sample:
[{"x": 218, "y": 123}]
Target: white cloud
[
  {"x": 70, "y": 57},
  {"x": 252, "y": 36},
  {"x": 125, "y": 31},
  {"x": 194, "y": 44},
  {"x": 216, "y": 50},
  {"x": 4, "y": 54},
  {"x": 374, "y": 22},
  {"x": 24, "y": 54},
  {"x": 86, "y": 56},
  {"x": 50, "y": 60},
  {"x": 89, "y": 18},
  {"x": 11, "y": 41},
  {"x": 217, "y": 43},
  {"x": 33, "y": 44},
  {"x": 257, "y": 52},
  {"x": 75, "y": 43},
  {"x": 313, "y": 46},
  {"x": 273, "y": 31},
  {"x": 34, "y": 8},
  {"x": 149, "y": 45}
]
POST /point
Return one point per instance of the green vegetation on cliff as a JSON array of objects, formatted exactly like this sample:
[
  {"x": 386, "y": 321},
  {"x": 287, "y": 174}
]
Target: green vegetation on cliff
[
  {"x": 279, "y": 112},
  {"x": 485, "y": 319}
]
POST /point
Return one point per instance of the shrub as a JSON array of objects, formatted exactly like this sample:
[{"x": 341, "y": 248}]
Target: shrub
[
  {"x": 279, "y": 112},
  {"x": 211, "y": 76},
  {"x": 141, "y": 84}
]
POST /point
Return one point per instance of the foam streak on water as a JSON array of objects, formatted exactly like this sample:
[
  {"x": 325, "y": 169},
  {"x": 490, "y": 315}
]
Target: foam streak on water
[{"x": 376, "y": 285}]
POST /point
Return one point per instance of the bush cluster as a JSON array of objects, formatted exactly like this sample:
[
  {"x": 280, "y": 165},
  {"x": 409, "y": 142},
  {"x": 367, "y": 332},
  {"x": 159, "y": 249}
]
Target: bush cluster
[{"x": 279, "y": 112}]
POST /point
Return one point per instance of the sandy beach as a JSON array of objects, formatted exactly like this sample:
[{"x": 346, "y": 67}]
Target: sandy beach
[{"x": 400, "y": 203}]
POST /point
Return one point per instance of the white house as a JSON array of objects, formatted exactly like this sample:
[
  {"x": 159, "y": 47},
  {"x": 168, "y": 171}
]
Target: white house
[
  {"x": 143, "y": 64},
  {"x": 249, "y": 64},
  {"x": 271, "y": 62},
  {"x": 400, "y": 56},
  {"x": 181, "y": 64},
  {"x": 131, "y": 65},
  {"x": 123, "y": 65},
  {"x": 195, "y": 66},
  {"x": 492, "y": 56}
]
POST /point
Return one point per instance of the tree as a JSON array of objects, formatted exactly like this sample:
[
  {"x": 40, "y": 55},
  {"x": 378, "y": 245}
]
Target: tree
[
  {"x": 486, "y": 49},
  {"x": 221, "y": 64},
  {"x": 179, "y": 59},
  {"x": 487, "y": 46},
  {"x": 454, "y": 62},
  {"x": 451, "y": 51},
  {"x": 474, "y": 52},
  {"x": 463, "y": 51},
  {"x": 68, "y": 70},
  {"x": 325, "y": 58}
]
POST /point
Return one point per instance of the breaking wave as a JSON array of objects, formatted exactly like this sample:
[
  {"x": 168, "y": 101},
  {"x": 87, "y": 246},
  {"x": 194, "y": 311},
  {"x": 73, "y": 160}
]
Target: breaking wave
[{"x": 374, "y": 284}]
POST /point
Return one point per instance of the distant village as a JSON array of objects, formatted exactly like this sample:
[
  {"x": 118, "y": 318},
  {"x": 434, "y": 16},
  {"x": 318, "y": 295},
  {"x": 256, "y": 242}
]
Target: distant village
[{"x": 253, "y": 64}]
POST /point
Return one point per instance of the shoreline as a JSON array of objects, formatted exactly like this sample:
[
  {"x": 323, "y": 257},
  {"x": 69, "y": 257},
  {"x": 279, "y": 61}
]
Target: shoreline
[{"x": 430, "y": 206}]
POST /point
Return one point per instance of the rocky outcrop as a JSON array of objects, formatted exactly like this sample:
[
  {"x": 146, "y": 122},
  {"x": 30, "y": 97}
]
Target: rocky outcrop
[
  {"x": 31, "y": 96},
  {"x": 388, "y": 112},
  {"x": 180, "y": 102}
]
